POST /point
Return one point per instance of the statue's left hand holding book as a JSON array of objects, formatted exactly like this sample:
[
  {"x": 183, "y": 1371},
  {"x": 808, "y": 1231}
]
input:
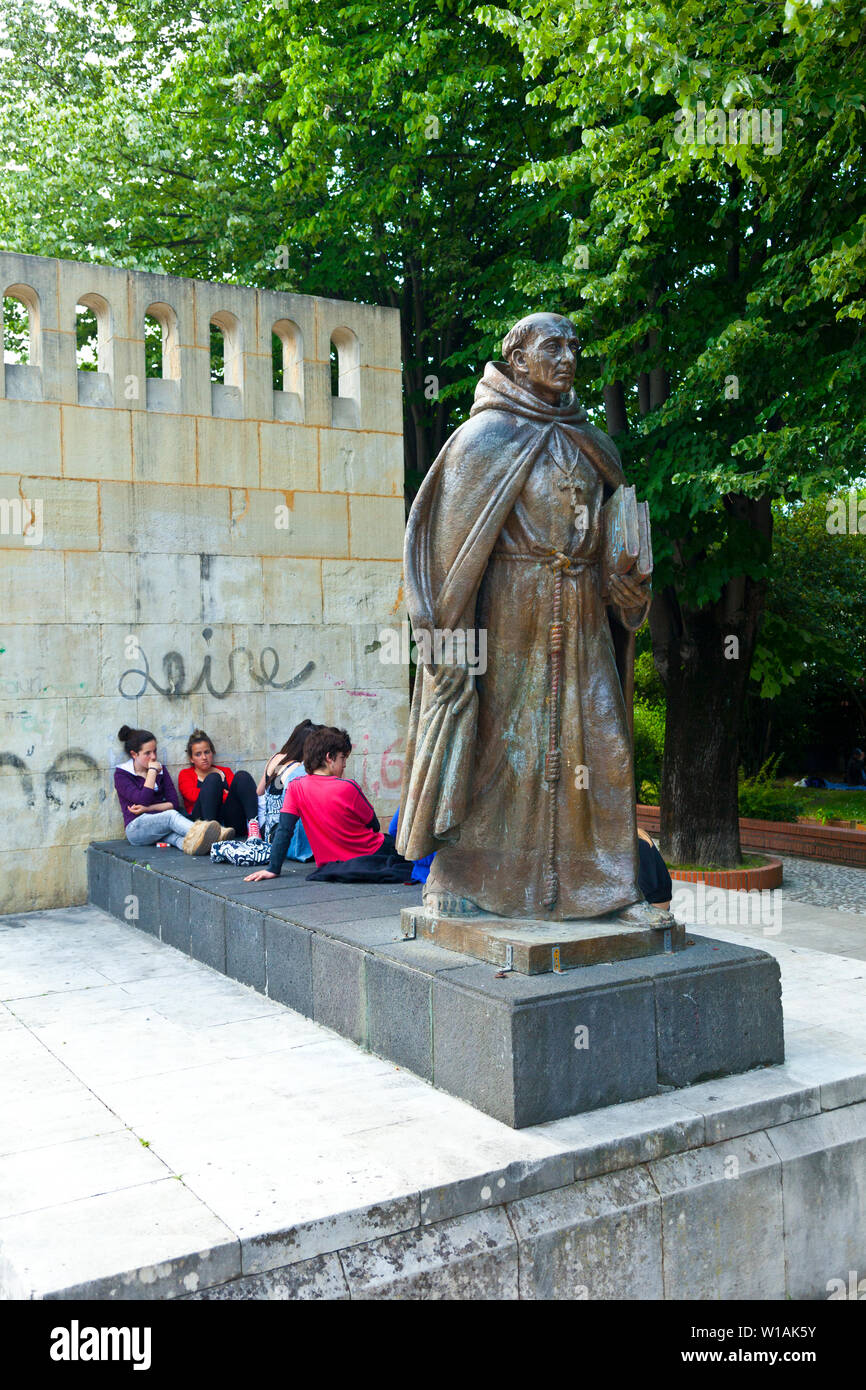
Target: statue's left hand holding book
[{"x": 626, "y": 541}]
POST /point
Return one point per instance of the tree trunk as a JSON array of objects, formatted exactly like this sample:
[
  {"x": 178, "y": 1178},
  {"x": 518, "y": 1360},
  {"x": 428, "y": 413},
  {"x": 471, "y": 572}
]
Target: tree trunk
[
  {"x": 616, "y": 419},
  {"x": 704, "y": 658}
]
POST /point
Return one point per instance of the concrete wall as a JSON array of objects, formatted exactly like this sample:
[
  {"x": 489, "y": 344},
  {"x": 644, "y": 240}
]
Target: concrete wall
[{"x": 175, "y": 552}]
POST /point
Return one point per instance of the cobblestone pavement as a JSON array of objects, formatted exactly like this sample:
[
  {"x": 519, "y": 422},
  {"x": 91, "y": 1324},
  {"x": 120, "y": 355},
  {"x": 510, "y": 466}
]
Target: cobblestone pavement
[{"x": 825, "y": 885}]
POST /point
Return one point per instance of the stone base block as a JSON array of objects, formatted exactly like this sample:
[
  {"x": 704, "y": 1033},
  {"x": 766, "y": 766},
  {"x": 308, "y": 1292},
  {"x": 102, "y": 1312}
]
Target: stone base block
[
  {"x": 533, "y": 947},
  {"x": 532, "y": 1049}
]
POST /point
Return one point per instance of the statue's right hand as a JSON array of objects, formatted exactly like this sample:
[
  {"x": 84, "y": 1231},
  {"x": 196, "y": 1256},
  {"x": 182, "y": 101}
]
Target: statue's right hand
[{"x": 447, "y": 679}]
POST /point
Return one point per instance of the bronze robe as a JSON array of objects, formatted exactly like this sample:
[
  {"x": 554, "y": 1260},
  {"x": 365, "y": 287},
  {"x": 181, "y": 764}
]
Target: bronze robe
[{"x": 494, "y": 511}]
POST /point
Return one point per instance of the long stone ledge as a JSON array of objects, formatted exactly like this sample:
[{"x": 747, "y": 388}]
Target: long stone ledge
[{"x": 524, "y": 1049}]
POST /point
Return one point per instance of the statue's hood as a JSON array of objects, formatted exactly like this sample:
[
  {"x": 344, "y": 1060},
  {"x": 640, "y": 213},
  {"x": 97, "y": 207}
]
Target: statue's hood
[{"x": 497, "y": 391}]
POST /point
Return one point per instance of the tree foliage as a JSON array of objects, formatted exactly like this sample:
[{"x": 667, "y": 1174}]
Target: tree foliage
[
  {"x": 469, "y": 164},
  {"x": 364, "y": 151},
  {"x": 718, "y": 291}
]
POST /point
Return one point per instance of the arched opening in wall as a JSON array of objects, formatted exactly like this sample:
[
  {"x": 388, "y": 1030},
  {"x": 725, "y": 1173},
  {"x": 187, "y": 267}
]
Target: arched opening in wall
[
  {"x": 287, "y": 356},
  {"x": 93, "y": 334},
  {"x": 346, "y": 380},
  {"x": 22, "y": 343},
  {"x": 226, "y": 366},
  {"x": 162, "y": 357}
]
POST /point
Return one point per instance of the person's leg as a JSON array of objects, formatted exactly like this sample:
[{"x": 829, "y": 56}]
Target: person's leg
[
  {"x": 152, "y": 826},
  {"x": 181, "y": 825},
  {"x": 241, "y": 806},
  {"x": 200, "y": 836},
  {"x": 385, "y": 865},
  {"x": 209, "y": 805},
  {"x": 653, "y": 876}
]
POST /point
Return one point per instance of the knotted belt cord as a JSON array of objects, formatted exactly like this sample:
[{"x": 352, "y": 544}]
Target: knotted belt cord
[{"x": 553, "y": 758}]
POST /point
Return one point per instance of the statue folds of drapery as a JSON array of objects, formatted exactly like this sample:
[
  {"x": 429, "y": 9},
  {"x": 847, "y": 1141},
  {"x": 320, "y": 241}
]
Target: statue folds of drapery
[{"x": 520, "y": 776}]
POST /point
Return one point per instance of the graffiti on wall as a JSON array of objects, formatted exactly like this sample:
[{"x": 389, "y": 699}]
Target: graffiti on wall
[
  {"x": 73, "y": 780},
  {"x": 263, "y": 671}
]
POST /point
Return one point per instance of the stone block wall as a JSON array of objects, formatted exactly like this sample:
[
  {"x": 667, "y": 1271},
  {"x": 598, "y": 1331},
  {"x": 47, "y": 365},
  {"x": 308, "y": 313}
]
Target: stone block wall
[{"x": 177, "y": 552}]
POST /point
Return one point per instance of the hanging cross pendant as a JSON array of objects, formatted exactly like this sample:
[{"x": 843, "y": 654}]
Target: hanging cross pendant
[{"x": 570, "y": 485}]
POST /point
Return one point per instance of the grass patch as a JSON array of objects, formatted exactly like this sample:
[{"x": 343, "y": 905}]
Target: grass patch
[{"x": 749, "y": 861}]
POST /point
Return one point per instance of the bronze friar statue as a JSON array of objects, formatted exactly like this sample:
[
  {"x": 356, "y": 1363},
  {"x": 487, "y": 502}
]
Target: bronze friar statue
[{"x": 521, "y": 777}]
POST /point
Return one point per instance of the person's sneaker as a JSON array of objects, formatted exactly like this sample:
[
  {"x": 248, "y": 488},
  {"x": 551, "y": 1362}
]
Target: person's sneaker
[
  {"x": 253, "y": 831},
  {"x": 228, "y": 832},
  {"x": 203, "y": 834}
]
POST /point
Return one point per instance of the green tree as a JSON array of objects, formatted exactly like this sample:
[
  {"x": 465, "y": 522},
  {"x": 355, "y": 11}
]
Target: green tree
[
  {"x": 715, "y": 273},
  {"x": 364, "y": 152}
]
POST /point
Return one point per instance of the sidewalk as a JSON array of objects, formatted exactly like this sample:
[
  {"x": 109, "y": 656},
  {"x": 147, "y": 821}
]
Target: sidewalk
[{"x": 163, "y": 1120}]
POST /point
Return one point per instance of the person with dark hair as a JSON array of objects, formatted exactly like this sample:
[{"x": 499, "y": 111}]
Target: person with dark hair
[
  {"x": 148, "y": 799},
  {"x": 341, "y": 825},
  {"x": 280, "y": 770},
  {"x": 211, "y": 792},
  {"x": 855, "y": 772}
]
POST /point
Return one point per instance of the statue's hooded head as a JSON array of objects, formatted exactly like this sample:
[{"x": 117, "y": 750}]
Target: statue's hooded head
[{"x": 541, "y": 352}]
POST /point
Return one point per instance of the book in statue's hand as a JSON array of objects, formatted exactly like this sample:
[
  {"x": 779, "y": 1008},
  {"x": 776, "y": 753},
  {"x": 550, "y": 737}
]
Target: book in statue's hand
[{"x": 626, "y": 544}]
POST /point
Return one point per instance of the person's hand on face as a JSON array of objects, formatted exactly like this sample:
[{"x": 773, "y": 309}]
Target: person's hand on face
[{"x": 146, "y": 758}]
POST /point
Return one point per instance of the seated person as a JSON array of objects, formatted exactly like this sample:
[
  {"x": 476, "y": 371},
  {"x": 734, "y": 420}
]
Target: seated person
[
  {"x": 653, "y": 878},
  {"x": 211, "y": 792},
  {"x": 148, "y": 799},
  {"x": 281, "y": 769},
  {"x": 340, "y": 823},
  {"x": 855, "y": 772}
]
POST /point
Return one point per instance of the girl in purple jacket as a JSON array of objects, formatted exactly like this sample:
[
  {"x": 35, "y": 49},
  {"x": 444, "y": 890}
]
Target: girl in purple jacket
[{"x": 148, "y": 800}]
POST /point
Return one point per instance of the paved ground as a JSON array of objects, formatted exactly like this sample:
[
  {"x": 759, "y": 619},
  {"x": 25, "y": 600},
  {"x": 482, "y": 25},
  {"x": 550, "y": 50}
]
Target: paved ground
[
  {"x": 820, "y": 906},
  {"x": 151, "y": 1104},
  {"x": 825, "y": 885}
]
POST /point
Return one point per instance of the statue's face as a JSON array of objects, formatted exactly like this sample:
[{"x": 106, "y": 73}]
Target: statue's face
[{"x": 546, "y": 365}]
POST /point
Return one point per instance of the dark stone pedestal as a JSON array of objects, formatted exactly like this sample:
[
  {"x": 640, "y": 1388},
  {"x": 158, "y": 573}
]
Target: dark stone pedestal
[{"x": 533, "y": 1048}]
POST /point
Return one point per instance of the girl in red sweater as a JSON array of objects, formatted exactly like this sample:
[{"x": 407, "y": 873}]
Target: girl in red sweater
[{"x": 211, "y": 792}]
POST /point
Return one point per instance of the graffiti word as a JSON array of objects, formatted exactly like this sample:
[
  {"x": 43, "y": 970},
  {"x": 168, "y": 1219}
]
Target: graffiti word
[
  {"x": 390, "y": 768},
  {"x": 67, "y": 782},
  {"x": 175, "y": 678}
]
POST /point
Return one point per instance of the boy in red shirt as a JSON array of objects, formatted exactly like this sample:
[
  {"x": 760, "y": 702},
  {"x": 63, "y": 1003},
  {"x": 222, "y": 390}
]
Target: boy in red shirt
[{"x": 340, "y": 824}]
